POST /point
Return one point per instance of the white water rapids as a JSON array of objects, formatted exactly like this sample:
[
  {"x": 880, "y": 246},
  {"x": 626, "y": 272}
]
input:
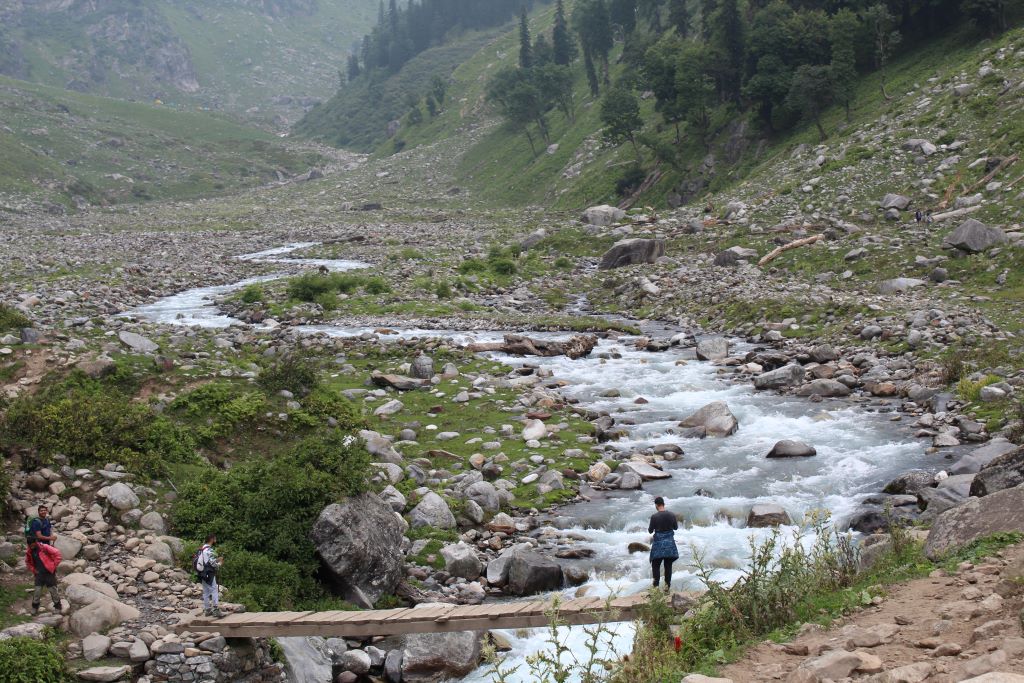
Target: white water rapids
[{"x": 857, "y": 452}]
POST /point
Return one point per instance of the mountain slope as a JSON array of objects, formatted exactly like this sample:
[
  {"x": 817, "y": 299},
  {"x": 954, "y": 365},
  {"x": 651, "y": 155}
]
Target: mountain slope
[
  {"x": 61, "y": 146},
  {"x": 266, "y": 60}
]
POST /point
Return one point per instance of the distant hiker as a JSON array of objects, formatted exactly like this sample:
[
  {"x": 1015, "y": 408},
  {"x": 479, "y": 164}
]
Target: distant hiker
[
  {"x": 918, "y": 216},
  {"x": 206, "y": 563},
  {"x": 323, "y": 270},
  {"x": 928, "y": 216},
  {"x": 42, "y": 560},
  {"x": 663, "y": 547},
  {"x": 39, "y": 528}
]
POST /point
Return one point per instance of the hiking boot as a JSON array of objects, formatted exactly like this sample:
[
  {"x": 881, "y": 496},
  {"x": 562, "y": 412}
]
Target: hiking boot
[
  {"x": 207, "y": 612},
  {"x": 216, "y": 613},
  {"x": 35, "y": 608}
]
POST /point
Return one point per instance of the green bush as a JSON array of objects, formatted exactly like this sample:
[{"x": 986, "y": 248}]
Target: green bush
[
  {"x": 223, "y": 406},
  {"x": 503, "y": 266},
  {"x": 252, "y": 294},
  {"x": 377, "y": 285},
  {"x": 294, "y": 373},
  {"x": 26, "y": 660},
  {"x": 443, "y": 290},
  {"x": 472, "y": 265},
  {"x": 563, "y": 263},
  {"x": 263, "y": 510},
  {"x": 326, "y": 403},
  {"x": 12, "y": 319},
  {"x": 93, "y": 425},
  {"x": 328, "y": 301}
]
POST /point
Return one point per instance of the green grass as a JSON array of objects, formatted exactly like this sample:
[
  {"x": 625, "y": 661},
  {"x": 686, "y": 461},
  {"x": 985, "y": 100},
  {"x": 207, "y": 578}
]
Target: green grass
[
  {"x": 109, "y": 151},
  {"x": 10, "y": 594},
  {"x": 11, "y": 319}
]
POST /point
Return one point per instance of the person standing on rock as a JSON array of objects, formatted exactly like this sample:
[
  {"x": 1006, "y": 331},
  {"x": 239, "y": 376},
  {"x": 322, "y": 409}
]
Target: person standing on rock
[
  {"x": 663, "y": 547},
  {"x": 206, "y": 565},
  {"x": 42, "y": 560}
]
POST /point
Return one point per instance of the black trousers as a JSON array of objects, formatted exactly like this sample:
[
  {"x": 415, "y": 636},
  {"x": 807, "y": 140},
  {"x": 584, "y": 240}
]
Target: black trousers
[{"x": 656, "y": 569}]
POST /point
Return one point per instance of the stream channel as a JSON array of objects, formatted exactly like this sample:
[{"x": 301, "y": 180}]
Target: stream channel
[{"x": 858, "y": 451}]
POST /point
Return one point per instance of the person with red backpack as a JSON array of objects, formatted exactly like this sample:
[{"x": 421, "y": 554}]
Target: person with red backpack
[{"x": 42, "y": 560}]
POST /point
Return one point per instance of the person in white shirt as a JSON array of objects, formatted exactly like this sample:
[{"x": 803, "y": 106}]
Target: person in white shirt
[{"x": 207, "y": 565}]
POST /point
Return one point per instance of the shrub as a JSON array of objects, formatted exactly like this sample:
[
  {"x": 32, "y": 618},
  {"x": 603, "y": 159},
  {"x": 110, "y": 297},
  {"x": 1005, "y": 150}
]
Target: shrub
[
  {"x": 377, "y": 285},
  {"x": 443, "y": 290},
  {"x": 294, "y": 373},
  {"x": 503, "y": 266},
  {"x": 563, "y": 262},
  {"x": 263, "y": 510},
  {"x": 93, "y": 425},
  {"x": 472, "y": 265},
  {"x": 223, "y": 406},
  {"x": 630, "y": 179},
  {"x": 326, "y": 403},
  {"x": 26, "y": 660},
  {"x": 12, "y": 319},
  {"x": 252, "y": 294},
  {"x": 328, "y": 301}
]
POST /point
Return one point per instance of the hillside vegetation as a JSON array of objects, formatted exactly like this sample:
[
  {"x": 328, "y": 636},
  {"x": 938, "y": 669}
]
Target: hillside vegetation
[
  {"x": 699, "y": 127},
  {"x": 80, "y": 149},
  {"x": 264, "y": 60}
]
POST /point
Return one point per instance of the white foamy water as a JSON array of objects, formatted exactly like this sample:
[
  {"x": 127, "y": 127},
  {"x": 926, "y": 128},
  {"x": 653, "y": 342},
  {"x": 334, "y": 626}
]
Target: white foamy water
[{"x": 197, "y": 307}]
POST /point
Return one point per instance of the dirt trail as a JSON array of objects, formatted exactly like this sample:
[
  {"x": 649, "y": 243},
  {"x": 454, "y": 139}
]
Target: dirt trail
[{"x": 940, "y": 629}]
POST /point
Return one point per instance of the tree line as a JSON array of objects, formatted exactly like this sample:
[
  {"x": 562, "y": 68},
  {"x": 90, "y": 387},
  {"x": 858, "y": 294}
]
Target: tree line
[{"x": 783, "y": 61}]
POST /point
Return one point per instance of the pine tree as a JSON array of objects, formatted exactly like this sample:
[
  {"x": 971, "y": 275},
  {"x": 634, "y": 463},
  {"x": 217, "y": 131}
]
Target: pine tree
[
  {"x": 562, "y": 44},
  {"x": 620, "y": 114},
  {"x": 525, "y": 48},
  {"x": 882, "y": 26},
  {"x": 679, "y": 17},
  {"x": 810, "y": 92},
  {"x": 623, "y": 14},
  {"x": 727, "y": 41},
  {"x": 988, "y": 15},
  {"x": 843, "y": 30},
  {"x": 352, "y": 69},
  {"x": 592, "y": 23}
]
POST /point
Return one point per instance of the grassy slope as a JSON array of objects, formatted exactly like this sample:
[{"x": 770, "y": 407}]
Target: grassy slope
[
  {"x": 243, "y": 58},
  {"x": 63, "y": 143},
  {"x": 502, "y": 169}
]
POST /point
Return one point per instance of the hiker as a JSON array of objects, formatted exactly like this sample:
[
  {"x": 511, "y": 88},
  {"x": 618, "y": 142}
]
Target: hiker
[
  {"x": 39, "y": 528},
  {"x": 663, "y": 547},
  {"x": 928, "y": 216},
  {"x": 206, "y": 564},
  {"x": 917, "y": 216},
  {"x": 42, "y": 560}
]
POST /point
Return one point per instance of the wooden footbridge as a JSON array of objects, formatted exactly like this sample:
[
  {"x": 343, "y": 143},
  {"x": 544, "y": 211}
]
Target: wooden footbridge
[{"x": 432, "y": 618}]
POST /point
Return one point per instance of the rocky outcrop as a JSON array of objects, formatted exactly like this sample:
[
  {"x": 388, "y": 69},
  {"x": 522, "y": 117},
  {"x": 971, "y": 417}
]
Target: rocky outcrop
[
  {"x": 577, "y": 346},
  {"x": 982, "y": 456},
  {"x": 715, "y": 418},
  {"x": 631, "y": 252},
  {"x": 974, "y": 519},
  {"x": 1004, "y": 472},
  {"x": 359, "y": 543}
]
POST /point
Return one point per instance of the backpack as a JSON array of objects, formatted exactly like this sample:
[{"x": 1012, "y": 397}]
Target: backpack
[
  {"x": 203, "y": 573},
  {"x": 30, "y": 535},
  {"x": 195, "y": 560}
]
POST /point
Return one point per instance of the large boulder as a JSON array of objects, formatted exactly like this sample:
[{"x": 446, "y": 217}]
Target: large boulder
[
  {"x": 430, "y": 657},
  {"x": 981, "y": 456},
  {"x": 104, "y": 674},
  {"x": 432, "y": 511},
  {"x": 422, "y": 367},
  {"x": 949, "y": 493},
  {"x": 530, "y": 572},
  {"x": 121, "y": 496},
  {"x": 910, "y": 483},
  {"x": 786, "y": 376},
  {"x": 632, "y": 251},
  {"x": 96, "y": 617},
  {"x": 974, "y": 519},
  {"x": 645, "y": 471},
  {"x": 497, "y": 569},
  {"x": 715, "y": 348},
  {"x": 1004, "y": 472},
  {"x": 602, "y": 215},
  {"x": 715, "y": 418},
  {"x": 69, "y": 547},
  {"x": 973, "y": 237},
  {"x": 461, "y": 560},
  {"x": 484, "y": 494},
  {"x": 137, "y": 343},
  {"x": 95, "y": 646},
  {"x": 766, "y": 515},
  {"x": 788, "y": 448},
  {"x": 825, "y": 388},
  {"x": 359, "y": 543},
  {"x": 895, "y": 201}
]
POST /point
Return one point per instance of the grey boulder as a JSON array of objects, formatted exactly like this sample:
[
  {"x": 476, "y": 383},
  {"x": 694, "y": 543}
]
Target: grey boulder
[
  {"x": 788, "y": 448},
  {"x": 1004, "y": 472},
  {"x": 602, "y": 215},
  {"x": 786, "y": 376},
  {"x": 461, "y": 560},
  {"x": 631, "y": 252},
  {"x": 977, "y": 517},
  {"x": 895, "y": 201},
  {"x": 715, "y": 348},
  {"x": 530, "y": 572},
  {"x": 715, "y": 418},
  {"x": 430, "y": 657},
  {"x": 981, "y": 456},
  {"x": 767, "y": 515},
  {"x": 359, "y": 543},
  {"x": 432, "y": 511},
  {"x": 825, "y": 388},
  {"x": 137, "y": 343},
  {"x": 973, "y": 237}
]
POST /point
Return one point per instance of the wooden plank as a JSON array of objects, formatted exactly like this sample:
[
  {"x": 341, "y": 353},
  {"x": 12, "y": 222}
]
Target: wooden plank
[
  {"x": 334, "y": 617},
  {"x": 444, "y": 615}
]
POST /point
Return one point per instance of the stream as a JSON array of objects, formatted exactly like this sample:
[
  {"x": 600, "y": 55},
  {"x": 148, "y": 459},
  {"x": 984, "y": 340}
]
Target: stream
[{"x": 858, "y": 451}]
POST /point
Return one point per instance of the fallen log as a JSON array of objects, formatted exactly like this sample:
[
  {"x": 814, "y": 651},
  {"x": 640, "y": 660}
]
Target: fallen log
[
  {"x": 575, "y": 347},
  {"x": 955, "y": 212},
  {"x": 774, "y": 253}
]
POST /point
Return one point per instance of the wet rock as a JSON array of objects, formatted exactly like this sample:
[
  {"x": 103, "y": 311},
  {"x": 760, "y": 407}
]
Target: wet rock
[
  {"x": 910, "y": 482},
  {"x": 359, "y": 543},
  {"x": 786, "y": 376},
  {"x": 632, "y": 251},
  {"x": 767, "y": 515},
  {"x": 791, "y": 449},
  {"x": 715, "y": 348},
  {"x": 530, "y": 572},
  {"x": 825, "y": 388},
  {"x": 715, "y": 418}
]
